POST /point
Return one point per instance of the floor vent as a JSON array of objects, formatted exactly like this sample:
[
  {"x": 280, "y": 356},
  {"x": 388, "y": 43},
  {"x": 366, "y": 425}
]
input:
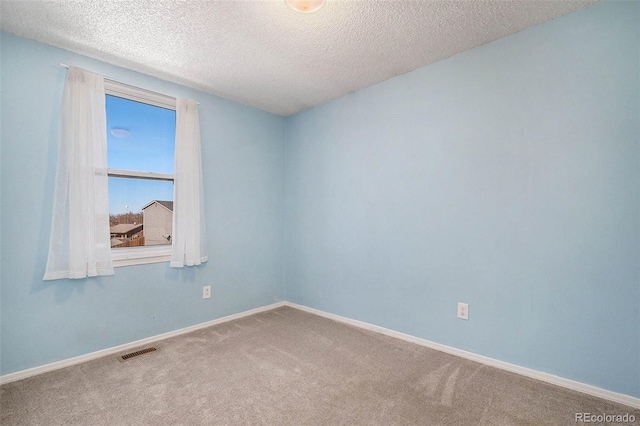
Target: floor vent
[{"x": 135, "y": 354}]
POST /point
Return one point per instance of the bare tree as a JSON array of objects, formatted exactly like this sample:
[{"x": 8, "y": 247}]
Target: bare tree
[{"x": 125, "y": 218}]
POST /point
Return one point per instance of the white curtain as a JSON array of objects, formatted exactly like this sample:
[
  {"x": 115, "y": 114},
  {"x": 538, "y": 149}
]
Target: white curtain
[
  {"x": 79, "y": 245},
  {"x": 189, "y": 243}
]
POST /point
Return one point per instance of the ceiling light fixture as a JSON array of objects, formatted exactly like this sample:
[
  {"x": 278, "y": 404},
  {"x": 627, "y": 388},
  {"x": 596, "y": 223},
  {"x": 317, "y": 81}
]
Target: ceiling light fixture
[{"x": 305, "y": 6}]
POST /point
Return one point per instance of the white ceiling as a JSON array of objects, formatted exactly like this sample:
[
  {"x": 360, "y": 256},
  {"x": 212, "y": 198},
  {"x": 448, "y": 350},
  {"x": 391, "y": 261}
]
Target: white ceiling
[{"x": 264, "y": 54}]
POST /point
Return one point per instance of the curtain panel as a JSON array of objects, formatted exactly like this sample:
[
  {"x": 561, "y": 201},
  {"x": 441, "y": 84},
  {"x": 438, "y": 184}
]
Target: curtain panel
[
  {"x": 189, "y": 245},
  {"x": 79, "y": 244}
]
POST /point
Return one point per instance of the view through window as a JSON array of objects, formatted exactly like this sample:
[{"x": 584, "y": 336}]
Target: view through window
[{"x": 140, "y": 154}]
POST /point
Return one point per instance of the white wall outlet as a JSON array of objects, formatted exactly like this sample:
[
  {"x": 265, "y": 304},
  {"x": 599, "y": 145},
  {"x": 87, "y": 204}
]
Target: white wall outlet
[
  {"x": 463, "y": 311},
  {"x": 206, "y": 292}
]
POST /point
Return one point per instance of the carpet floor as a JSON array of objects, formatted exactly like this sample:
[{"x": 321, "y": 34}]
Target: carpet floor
[{"x": 289, "y": 367}]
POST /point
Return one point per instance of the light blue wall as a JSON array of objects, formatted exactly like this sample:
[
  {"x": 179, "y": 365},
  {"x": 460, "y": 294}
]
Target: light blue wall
[
  {"x": 506, "y": 177},
  {"x": 243, "y": 159}
]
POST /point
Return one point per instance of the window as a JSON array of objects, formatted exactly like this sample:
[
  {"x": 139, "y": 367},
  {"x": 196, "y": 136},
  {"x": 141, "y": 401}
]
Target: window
[
  {"x": 140, "y": 154},
  {"x": 80, "y": 243}
]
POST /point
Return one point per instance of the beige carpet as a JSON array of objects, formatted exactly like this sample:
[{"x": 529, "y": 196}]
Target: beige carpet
[{"x": 289, "y": 367}]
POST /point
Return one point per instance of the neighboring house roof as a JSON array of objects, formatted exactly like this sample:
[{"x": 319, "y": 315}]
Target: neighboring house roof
[
  {"x": 166, "y": 204},
  {"x": 116, "y": 242},
  {"x": 125, "y": 228}
]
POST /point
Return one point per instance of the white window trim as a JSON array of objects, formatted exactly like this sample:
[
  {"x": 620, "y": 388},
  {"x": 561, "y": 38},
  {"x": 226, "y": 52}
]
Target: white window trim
[
  {"x": 137, "y": 94},
  {"x": 128, "y": 256}
]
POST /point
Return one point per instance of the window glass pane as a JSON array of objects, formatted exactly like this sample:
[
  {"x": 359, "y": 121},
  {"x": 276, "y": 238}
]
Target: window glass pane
[
  {"x": 140, "y": 212},
  {"x": 140, "y": 137}
]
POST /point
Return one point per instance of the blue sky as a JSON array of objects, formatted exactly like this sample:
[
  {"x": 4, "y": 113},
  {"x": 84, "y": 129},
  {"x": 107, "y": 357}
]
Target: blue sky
[{"x": 149, "y": 147}]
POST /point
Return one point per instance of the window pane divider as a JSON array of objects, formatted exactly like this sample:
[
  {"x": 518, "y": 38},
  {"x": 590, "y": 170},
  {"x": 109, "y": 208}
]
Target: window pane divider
[{"x": 139, "y": 175}]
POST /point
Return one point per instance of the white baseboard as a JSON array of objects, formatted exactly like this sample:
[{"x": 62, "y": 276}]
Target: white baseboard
[
  {"x": 545, "y": 377},
  {"x": 19, "y": 375}
]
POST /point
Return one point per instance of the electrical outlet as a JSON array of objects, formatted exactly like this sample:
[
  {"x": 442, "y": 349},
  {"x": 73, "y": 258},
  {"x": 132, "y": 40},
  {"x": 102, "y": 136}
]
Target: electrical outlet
[
  {"x": 206, "y": 292},
  {"x": 463, "y": 311}
]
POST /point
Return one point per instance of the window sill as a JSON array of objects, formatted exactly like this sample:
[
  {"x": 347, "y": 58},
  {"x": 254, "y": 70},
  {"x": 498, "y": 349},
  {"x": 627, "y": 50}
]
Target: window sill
[{"x": 140, "y": 255}]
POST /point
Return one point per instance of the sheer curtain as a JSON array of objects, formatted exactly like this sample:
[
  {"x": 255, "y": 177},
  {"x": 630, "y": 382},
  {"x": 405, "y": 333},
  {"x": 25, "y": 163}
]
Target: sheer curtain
[
  {"x": 79, "y": 245},
  {"x": 189, "y": 244}
]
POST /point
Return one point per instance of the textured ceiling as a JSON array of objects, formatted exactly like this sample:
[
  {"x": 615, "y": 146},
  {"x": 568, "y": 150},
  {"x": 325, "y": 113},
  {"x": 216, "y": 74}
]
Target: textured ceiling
[{"x": 264, "y": 54}]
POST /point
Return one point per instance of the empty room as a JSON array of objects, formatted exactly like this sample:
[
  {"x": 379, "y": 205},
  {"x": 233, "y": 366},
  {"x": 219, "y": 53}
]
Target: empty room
[{"x": 319, "y": 212}]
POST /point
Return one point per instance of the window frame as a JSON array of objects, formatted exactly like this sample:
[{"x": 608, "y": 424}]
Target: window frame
[{"x": 128, "y": 256}]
